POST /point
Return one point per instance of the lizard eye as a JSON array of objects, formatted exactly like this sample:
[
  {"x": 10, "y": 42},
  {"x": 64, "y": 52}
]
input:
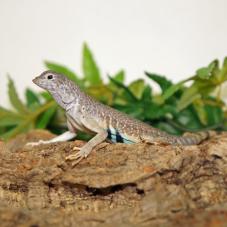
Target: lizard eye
[{"x": 49, "y": 77}]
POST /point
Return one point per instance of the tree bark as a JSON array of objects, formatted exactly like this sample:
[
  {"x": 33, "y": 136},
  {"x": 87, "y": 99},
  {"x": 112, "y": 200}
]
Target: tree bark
[{"x": 118, "y": 184}]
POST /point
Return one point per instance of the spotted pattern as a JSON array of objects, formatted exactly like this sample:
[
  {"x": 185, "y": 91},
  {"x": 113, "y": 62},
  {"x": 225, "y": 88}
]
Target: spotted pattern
[{"x": 120, "y": 127}]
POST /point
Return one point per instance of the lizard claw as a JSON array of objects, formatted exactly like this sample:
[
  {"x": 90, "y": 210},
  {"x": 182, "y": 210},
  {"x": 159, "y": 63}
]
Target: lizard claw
[
  {"x": 74, "y": 156},
  {"x": 76, "y": 148},
  {"x": 78, "y": 157},
  {"x": 82, "y": 153}
]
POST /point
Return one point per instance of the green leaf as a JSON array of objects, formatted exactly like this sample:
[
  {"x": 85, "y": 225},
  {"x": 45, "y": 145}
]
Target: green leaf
[
  {"x": 200, "y": 110},
  {"x": 120, "y": 76},
  {"x": 5, "y": 112},
  {"x": 162, "y": 81},
  {"x": 207, "y": 72},
  {"x": 90, "y": 68},
  {"x": 172, "y": 90},
  {"x": 22, "y": 127},
  {"x": 188, "y": 118},
  {"x": 224, "y": 65},
  {"x": 31, "y": 97},
  {"x": 154, "y": 111},
  {"x": 222, "y": 73},
  {"x": 133, "y": 110},
  {"x": 147, "y": 94},
  {"x": 101, "y": 92},
  {"x": 46, "y": 95},
  {"x": 137, "y": 88},
  {"x": 63, "y": 70},
  {"x": 45, "y": 118},
  {"x": 215, "y": 114},
  {"x": 14, "y": 98},
  {"x": 9, "y": 120},
  {"x": 27, "y": 121},
  {"x": 128, "y": 94},
  {"x": 192, "y": 93}
]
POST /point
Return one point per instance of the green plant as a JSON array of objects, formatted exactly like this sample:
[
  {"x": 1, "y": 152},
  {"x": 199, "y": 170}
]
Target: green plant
[{"x": 191, "y": 105}]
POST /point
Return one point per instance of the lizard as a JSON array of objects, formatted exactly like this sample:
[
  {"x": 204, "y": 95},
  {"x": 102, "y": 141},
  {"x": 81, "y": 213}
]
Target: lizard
[{"x": 84, "y": 113}]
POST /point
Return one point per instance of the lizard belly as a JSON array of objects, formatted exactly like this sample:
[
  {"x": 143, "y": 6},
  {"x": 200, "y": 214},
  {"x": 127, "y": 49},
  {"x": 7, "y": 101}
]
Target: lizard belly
[{"x": 76, "y": 123}]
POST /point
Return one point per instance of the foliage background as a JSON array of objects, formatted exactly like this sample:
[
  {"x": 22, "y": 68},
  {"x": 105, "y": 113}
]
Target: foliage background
[{"x": 191, "y": 105}]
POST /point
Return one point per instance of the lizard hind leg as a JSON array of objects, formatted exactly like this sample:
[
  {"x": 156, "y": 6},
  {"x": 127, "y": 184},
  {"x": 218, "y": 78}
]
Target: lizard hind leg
[{"x": 61, "y": 138}]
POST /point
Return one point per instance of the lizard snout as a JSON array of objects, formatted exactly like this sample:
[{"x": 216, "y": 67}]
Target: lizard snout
[{"x": 35, "y": 80}]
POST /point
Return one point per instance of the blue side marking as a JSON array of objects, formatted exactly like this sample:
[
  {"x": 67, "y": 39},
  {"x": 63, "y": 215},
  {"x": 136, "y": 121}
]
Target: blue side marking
[{"x": 116, "y": 137}]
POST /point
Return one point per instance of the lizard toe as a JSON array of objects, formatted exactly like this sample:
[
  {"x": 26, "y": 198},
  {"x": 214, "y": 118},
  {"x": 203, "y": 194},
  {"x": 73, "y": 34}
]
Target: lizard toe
[
  {"x": 76, "y": 148},
  {"x": 76, "y": 156},
  {"x": 77, "y": 161}
]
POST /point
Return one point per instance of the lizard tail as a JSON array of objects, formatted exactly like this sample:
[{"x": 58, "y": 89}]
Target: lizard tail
[{"x": 193, "y": 138}]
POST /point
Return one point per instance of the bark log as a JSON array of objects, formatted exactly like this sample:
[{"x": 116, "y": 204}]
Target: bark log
[{"x": 118, "y": 184}]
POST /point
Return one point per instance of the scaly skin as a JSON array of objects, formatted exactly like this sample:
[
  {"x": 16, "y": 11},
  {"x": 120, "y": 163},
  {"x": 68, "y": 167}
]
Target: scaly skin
[{"x": 88, "y": 115}]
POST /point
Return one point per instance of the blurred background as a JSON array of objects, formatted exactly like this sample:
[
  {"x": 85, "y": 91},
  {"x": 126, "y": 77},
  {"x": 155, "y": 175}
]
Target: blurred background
[{"x": 172, "y": 38}]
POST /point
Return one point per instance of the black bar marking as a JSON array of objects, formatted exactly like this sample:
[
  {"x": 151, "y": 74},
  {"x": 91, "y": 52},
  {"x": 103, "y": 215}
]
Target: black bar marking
[
  {"x": 119, "y": 138},
  {"x": 115, "y": 137}
]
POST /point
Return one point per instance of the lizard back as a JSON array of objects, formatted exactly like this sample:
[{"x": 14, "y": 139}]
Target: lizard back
[{"x": 124, "y": 128}]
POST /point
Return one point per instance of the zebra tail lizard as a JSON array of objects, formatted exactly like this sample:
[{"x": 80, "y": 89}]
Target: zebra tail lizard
[{"x": 88, "y": 115}]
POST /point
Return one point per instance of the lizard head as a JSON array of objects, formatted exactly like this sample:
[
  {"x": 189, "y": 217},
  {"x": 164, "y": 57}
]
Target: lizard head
[{"x": 61, "y": 88}]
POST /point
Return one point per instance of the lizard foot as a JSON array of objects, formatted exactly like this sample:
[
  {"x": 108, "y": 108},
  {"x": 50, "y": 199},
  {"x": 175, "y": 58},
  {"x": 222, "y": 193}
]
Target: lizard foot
[{"x": 82, "y": 153}]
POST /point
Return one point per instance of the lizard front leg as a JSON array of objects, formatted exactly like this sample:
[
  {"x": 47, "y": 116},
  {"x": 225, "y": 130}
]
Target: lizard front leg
[{"x": 87, "y": 148}]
